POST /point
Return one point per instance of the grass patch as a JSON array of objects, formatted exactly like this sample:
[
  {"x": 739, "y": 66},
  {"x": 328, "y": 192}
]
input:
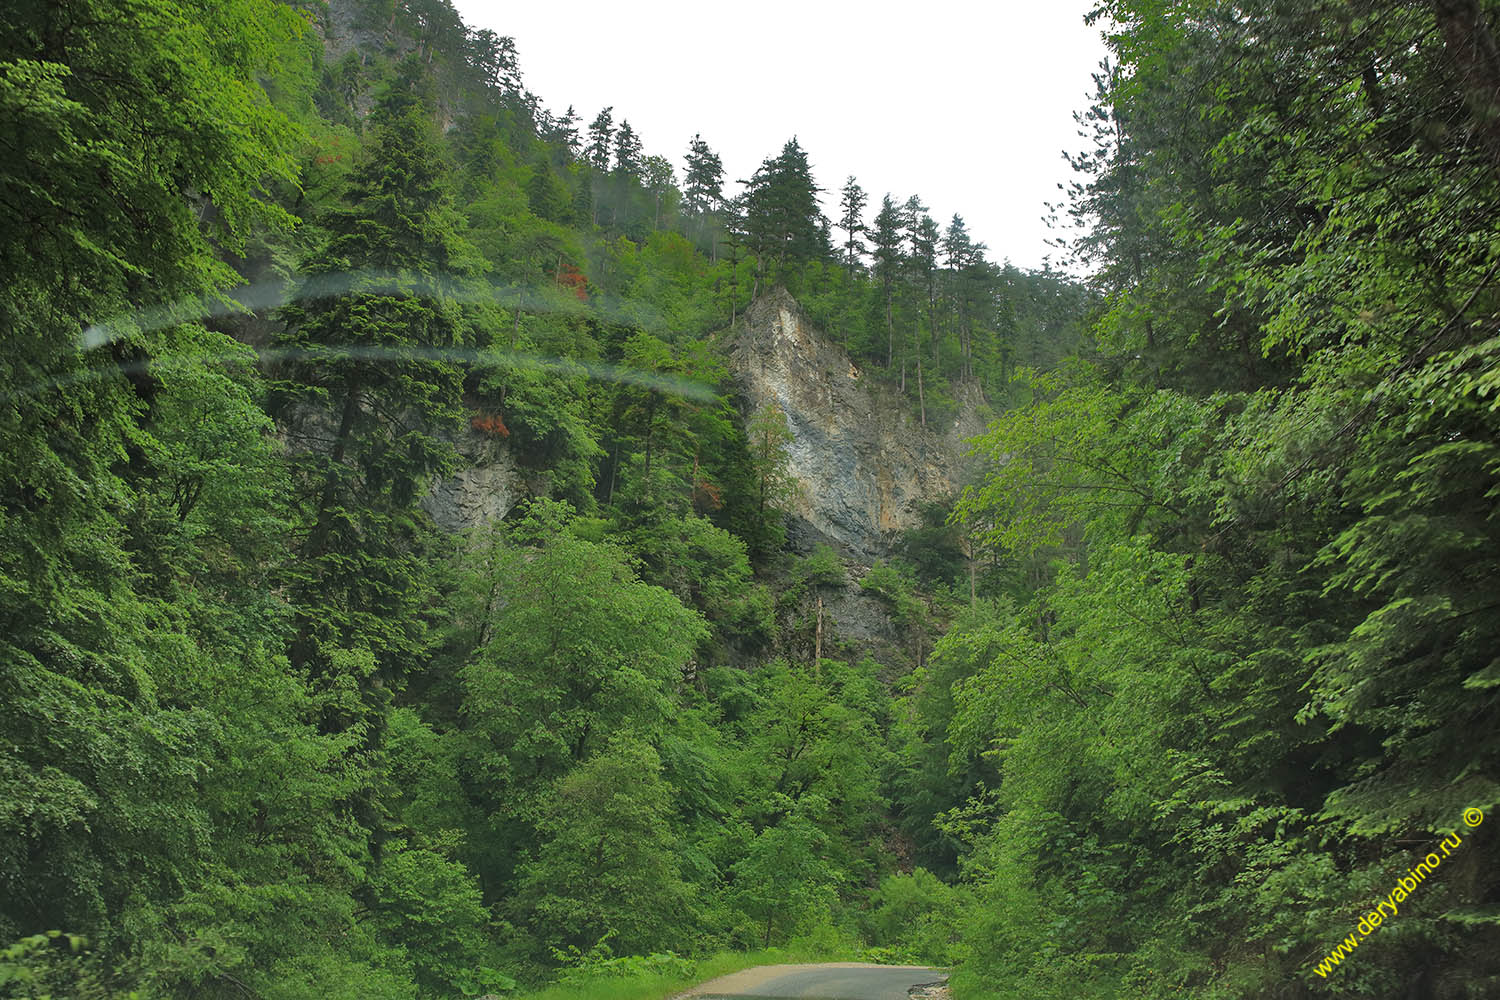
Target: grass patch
[{"x": 658, "y": 987}]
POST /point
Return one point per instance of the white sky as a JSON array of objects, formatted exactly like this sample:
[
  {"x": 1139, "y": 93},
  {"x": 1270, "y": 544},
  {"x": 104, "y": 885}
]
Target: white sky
[{"x": 967, "y": 105}]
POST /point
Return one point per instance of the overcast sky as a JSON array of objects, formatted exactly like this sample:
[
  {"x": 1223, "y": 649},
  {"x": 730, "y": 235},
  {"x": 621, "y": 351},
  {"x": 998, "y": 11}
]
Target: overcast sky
[{"x": 968, "y": 106}]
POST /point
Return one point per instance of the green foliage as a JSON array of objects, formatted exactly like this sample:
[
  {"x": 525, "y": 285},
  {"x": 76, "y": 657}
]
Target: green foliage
[
  {"x": 583, "y": 970},
  {"x": 378, "y": 293},
  {"x": 919, "y": 916},
  {"x": 770, "y": 442},
  {"x": 54, "y": 964},
  {"x": 783, "y": 881},
  {"x": 545, "y": 416},
  {"x": 937, "y": 550},
  {"x": 820, "y": 568},
  {"x": 571, "y": 649},
  {"x": 708, "y": 569},
  {"x": 783, "y": 222},
  {"x": 894, "y": 584},
  {"x": 809, "y": 751},
  {"x": 267, "y": 732},
  {"x": 430, "y": 906},
  {"x": 607, "y": 866},
  {"x": 1257, "y": 666}
]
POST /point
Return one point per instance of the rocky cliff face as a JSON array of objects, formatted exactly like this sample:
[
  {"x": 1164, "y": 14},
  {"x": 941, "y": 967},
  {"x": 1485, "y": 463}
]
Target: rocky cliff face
[
  {"x": 864, "y": 464},
  {"x": 484, "y": 490}
]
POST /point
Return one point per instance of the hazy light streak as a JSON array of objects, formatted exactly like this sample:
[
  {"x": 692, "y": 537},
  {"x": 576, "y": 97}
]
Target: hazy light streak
[
  {"x": 268, "y": 295},
  {"x": 265, "y": 296}
]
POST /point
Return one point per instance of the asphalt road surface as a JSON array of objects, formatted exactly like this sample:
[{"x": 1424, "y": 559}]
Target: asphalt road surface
[{"x": 833, "y": 981}]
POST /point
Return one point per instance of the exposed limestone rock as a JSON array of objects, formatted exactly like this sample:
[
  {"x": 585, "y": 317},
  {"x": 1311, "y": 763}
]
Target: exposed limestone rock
[
  {"x": 859, "y": 616},
  {"x": 482, "y": 492},
  {"x": 484, "y": 489},
  {"x": 347, "y": 26},
  {"x": 864, "y": 464}
]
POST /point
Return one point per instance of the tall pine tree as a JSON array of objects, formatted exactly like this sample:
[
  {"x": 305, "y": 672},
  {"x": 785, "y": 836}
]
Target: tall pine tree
[
  {"x": 785, "y": 225},
  {"x": 367, "y": 398},
  {"x": 886, "y": 238},
  {"x": 852, "y": 203}
]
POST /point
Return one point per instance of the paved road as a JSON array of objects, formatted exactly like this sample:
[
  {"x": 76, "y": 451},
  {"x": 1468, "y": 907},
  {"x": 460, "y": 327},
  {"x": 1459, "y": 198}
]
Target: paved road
[{"x": 833, "y": 981}]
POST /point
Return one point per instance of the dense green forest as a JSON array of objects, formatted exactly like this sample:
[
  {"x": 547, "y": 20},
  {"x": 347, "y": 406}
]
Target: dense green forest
[{"x": 1195, "y": 670}]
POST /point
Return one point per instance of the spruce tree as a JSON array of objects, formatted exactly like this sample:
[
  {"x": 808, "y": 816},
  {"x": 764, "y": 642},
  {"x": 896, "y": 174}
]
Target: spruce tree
[
  {"x": 601, "y": 132},
  {"x": 922, "y": 235},
  {"x": 962, "y": 254},
  {"x": 851, "y": 220},
  {"x": 565, "y": 132},
  {"x": 782, "y": 217},
  {"x": 886, "y": 239},
  {"x": 703, "y": 189},
  {"x": 703, "y": 185},
  {"x": 627, "y": 151},
  {"x": 367, "y": 397},
  {"x": 493, "y": 57}
]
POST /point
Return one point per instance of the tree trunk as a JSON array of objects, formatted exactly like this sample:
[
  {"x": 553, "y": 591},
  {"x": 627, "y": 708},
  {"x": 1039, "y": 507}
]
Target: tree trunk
[
  {"x": 650, "y": 427},
  {"x": 890, "y": 331},
  {"x": 734, "y": 282},
  {"x": 302, "y": 647},
  {"x": 319, "y": 537},
  {"x": 932, "y": 326},
  {"x": 969, "y": 553},
  {"x": 818, "y": 635},
  {"x": 614, "y": 467},
  {"x": 515, "y": 330},
  {"x": 1476, "y": 59},
  {"x": 921, "y": 398}
]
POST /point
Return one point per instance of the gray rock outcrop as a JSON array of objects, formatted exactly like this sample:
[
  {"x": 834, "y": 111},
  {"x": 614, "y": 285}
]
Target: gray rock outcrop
[
  {"x": 864, "y": 464},
  {"x": 483, "y": 491}
]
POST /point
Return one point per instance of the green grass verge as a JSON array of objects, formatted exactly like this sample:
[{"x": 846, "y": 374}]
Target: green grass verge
[{"x": 650, "y": 987}]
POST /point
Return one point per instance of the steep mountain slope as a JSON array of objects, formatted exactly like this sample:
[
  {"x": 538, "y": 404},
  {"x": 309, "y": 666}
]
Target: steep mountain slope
[{"x": 863, "y": 463}]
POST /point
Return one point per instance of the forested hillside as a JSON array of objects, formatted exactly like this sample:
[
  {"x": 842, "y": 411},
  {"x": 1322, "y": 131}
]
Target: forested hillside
[{"x": 1197, "y": 668}]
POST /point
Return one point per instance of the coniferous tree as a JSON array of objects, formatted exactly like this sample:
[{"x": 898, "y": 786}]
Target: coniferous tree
[
  {"x": 703, "y": 184},
  {"x": 886, "y": 241},
  {"x": 924, "y": 261},
  {"x": 703, "y": 189},
  {"x": 375, "y": 303},
  {"x": 564, "y": 133},
  {"x": 437, "y": 25},
  {"x": 229, "y": 823},
  {"x": 922, "y": 237},
  {"x": 601, "y": 135},
  {"x": 493, "y": 57},
  {"x": 627, "y": 151},
  {"x": 782, "y": 218},
  {"x": 735, "y": 240},
  {"x": 962, "y": 255},
  {"x": 852, "y": 203}
]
